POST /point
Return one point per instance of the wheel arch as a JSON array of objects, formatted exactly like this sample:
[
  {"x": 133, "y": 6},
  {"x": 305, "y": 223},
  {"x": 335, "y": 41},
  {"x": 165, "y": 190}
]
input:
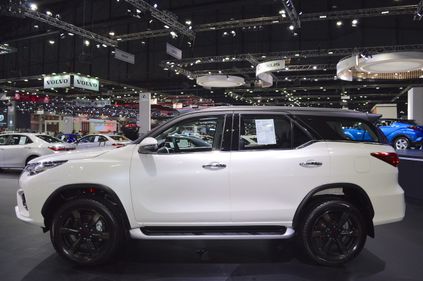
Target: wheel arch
[
  {"x": 351, "y": 192},
  {"x": 30, "y": 157},
  {"x": 82, "y": 190}
]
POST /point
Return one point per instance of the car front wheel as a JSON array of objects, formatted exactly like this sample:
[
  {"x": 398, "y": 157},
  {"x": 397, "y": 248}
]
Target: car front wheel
[
  {"x": 86, "y": 232},
  {"x": 333, "y": 232},
  {"x": 401, "y": 143}
]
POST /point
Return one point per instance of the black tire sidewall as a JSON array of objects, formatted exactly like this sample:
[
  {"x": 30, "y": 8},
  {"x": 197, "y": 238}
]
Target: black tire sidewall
[
  {"x": 315, "y": 213},
  {"x": 112, "y": 223}
]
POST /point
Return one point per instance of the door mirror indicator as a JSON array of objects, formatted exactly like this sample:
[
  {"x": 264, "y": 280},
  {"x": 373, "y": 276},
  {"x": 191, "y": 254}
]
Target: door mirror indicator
[{"x": 148, "y": 146}]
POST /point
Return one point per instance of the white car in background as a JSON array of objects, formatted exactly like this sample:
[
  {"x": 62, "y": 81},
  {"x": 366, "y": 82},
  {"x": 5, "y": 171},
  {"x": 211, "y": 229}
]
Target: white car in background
[
  {"x": 100, "y": 140},
  {"x": 17, "y": 149}
]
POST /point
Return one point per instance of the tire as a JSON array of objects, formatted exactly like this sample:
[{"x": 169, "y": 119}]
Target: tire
[
  {"x": 333, "y": 232},
  {"x": 401, "y": 143},
  {"x": 86, "y": 232},
  {"x": 30, "y": 158}
]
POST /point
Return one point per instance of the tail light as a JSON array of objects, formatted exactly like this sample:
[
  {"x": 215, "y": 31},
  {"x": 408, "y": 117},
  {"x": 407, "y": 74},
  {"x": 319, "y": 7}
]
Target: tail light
[
  {"x": 57, "y": 148},
  {"x": 415, "y": 128},
  {"x": 117, "y": 145},
  {"x": 388, "y": 157}
]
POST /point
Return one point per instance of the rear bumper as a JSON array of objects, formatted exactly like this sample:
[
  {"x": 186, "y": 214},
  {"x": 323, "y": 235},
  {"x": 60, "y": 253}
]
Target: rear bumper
[{"x": 389, "y": 207}]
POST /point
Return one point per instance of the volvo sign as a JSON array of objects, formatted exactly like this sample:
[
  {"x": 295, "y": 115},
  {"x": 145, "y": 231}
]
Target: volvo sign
[
  {"x": 86, "y": 83},
  {"x": 57, "y": 81}
]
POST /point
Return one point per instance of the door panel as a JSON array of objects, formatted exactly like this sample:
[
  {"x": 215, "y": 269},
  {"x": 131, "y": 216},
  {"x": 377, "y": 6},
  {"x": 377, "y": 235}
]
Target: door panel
[
  {"x": 175, "y": 188},
  {"x": 268, "y": 185},
  {"x": 187, "y": 180},
  {"x": 269, "y": 175},
  {"x": 16, "y": 151}
]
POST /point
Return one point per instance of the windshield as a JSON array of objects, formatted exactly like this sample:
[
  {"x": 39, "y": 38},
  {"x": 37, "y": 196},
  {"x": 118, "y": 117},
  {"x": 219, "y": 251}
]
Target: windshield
[
  {"x": 48, "y": 139},
  {"x": 119, "y": 138}
]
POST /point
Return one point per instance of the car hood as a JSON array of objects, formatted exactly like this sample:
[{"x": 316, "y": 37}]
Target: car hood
[{"x": 70, "y": 155}]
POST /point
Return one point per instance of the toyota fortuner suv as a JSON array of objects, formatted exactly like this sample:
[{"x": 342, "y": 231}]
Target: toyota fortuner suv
[{"x": 222, "y": 173}]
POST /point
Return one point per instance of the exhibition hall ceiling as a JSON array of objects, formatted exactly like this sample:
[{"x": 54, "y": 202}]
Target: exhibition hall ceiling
[{"x": 214, "y": 37}]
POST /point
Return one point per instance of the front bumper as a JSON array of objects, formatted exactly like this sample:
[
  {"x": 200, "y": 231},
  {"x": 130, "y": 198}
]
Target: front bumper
[{"x": 21, "y": 209}]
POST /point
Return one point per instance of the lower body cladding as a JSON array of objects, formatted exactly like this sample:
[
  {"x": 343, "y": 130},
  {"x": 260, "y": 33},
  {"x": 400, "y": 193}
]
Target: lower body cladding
[{"x": 212, "y": 233}]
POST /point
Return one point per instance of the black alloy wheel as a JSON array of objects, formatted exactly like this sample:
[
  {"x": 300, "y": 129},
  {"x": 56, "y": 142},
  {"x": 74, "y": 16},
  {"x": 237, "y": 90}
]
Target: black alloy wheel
[
  {"x": 86, "y": 232},
  {"x": 334, "y": 232}
]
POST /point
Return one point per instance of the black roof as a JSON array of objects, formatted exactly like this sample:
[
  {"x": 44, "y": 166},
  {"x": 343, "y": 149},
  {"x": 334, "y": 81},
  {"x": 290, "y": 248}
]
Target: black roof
[{"x": 336, "y": 112}]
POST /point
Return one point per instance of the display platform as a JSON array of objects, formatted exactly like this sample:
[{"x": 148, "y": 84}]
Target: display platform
[
  {"x": 410, "y": 176},
  {"x": 27, "y": 255}
]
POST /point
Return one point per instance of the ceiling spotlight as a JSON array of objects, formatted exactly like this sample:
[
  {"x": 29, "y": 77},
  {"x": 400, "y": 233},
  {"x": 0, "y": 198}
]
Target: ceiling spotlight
[
  {"x": 166, "y": 26},
  {"x": 173, "y": 34},
  {"x": 354, "y": 22},
  {"x": 51, "y": 42},
  {"x": 155, "y": 6},
  {"x": 48, "y": 13},
  {"x": 339, "y": 23},
  {"x": 188, "y": 22},
  {"x": 33, "y": 7},
  {"x": 291, "y": 27},
  {"x": 70, "y": 34},
  {"x": 86, "y": 43},
  {"x": 111, "y": 33}
]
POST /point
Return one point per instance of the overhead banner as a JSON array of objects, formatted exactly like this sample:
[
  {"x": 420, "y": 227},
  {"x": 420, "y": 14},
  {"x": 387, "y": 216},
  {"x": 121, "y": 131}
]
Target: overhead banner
[
  {"x": 57, "y": 81},
  {"x": 86, "y": 83},
  {"x": 173, "y": 51},
  {"x": 96, "y": 103},
  {"x": 264, "y": 70},
  {"x": 124, "y": 56}
]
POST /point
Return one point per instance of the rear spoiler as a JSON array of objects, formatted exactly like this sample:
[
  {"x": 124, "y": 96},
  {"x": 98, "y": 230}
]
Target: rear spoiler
[{"x": 373, "y": 117}]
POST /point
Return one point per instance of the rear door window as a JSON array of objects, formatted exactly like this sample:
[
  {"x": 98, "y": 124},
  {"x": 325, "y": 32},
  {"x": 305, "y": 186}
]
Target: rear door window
[
  {"x": 18, "y": 140},
  {"x": 264, "y": 132},
  {"x": 49, "y": 139}
]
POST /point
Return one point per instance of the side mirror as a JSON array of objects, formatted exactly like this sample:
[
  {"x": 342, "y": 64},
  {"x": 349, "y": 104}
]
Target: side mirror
[{"x": 148, "y": 146}]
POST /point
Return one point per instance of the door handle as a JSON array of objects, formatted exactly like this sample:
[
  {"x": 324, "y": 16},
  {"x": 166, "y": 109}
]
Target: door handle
[
  {"x": 214, "y": 165},
  {"x": 311, "y": 164}
]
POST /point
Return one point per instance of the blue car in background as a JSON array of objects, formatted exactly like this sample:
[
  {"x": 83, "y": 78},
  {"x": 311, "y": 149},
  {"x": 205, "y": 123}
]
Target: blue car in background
[
  {"x": 69, "y": 138},
  {"x": 402, "y": 134}
]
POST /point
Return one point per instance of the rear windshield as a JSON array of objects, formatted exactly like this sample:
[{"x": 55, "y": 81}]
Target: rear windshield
[
  {"x": 340, "y": 128},
  {"x": 48, "y": 139},
  {"x": 119, "y": 138}
]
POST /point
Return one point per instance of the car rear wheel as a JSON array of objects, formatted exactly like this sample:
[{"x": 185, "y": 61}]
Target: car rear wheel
[
  {"x": 30, "y": 158},
  {"x": 333, "y": 232},
  {"x": 401, "y": 143},
  {"x": 86, "y": 232}
]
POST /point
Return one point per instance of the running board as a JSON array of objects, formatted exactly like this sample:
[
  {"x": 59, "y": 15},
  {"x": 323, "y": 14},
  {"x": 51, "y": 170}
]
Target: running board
[{"x": 212, "y": 232}]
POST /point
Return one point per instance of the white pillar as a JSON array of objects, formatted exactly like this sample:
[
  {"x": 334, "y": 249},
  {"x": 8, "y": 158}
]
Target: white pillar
[
  {"x": 11, "y": 116},
  {"x": 415, "y": 104},
  {"x": 144, "y": 119}
]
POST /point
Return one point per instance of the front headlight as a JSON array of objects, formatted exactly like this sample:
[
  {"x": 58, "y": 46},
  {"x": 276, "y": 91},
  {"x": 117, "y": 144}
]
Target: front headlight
[{"x": 38, "y": 167}]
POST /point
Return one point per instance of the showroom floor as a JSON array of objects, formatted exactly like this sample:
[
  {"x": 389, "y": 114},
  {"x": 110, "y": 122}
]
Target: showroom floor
[{"x": 26, "y": 254}]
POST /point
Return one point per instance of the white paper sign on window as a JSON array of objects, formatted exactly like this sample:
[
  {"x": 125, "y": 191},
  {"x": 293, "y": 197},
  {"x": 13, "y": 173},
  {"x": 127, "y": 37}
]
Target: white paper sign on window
[{"x": 265, "y": 130}]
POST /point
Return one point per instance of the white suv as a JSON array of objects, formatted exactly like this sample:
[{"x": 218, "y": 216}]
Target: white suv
[{"x": 325, "y": 176}]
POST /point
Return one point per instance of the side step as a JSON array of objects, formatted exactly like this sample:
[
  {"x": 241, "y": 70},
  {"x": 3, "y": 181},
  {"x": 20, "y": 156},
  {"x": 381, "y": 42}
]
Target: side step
[{"x": 212, "y": 232}]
